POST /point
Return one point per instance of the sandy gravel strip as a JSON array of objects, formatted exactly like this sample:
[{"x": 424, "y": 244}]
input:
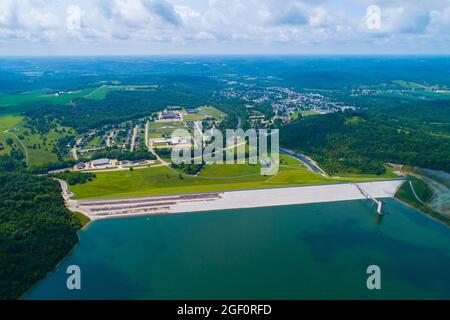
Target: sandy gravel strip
[
  {"x": 292, "y": 196},
  {"x": 235, "y": 199}
]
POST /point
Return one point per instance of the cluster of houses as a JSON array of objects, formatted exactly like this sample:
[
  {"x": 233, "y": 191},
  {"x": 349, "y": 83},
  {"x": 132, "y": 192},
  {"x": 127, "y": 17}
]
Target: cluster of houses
[{"x": 284, "y": 101}]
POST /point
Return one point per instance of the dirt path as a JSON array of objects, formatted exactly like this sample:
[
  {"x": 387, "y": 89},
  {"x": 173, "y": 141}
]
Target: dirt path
[
  {"x": 27, "y": 158},
  {"x": 99, "y": 88}
]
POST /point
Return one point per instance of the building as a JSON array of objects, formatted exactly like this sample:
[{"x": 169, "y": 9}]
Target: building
[
  {"x": 80, "y": 166},
  {"x": 170, "y": 116},
  {"x": 138, "y": 162},
  {"x": 125, "y": 163},
  {"x": 100, "y": 163},
  {"x": 159, "y": 140}
]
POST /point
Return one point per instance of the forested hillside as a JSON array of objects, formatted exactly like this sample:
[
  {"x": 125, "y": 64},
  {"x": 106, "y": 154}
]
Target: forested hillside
[
  {"x": 36, "y": 230},
  {"x": 360, "y": 143}
]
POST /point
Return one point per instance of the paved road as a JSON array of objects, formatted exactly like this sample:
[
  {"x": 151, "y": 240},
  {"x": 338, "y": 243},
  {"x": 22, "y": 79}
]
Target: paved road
[
  {"x": 133, "y": 138},
  {"x": 65, "y": 190},
  {"x": 147, "y": 128}
]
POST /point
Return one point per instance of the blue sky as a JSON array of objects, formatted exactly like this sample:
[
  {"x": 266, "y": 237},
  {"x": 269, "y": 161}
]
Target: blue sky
[{"x": 145, "y": 27}]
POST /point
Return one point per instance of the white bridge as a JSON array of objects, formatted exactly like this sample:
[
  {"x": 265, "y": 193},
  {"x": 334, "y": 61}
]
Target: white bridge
[{"x": 369, "y": 197}]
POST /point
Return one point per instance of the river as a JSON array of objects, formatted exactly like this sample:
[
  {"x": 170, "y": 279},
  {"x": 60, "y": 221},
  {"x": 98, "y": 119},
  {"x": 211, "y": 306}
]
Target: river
[{"x": 314, "y": 167}]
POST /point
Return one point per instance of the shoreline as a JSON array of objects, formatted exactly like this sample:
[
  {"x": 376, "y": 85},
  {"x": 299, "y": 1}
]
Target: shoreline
[{"x": 225, "y": 200}]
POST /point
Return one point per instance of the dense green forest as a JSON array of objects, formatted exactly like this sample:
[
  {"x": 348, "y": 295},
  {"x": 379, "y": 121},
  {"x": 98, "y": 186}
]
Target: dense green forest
[
  {"x": 36, "y": 230},
  {"x": 431, "y": 115},
  {"x": 121, "y": 154},
  {"x": 74, "y": 178},
  {"x": 361, "y": 143}
]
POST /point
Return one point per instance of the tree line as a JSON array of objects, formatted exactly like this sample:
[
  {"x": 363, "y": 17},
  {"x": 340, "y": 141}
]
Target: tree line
[
  {"x": 357, "y": 142},
  {"x": 36, "y": 229}
]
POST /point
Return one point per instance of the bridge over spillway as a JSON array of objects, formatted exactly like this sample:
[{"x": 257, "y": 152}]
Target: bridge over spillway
[{"x": 369, "y": 197}]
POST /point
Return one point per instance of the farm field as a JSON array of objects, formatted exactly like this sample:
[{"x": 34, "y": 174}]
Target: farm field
[
  {"x": 23, "y": 101},
  {"x": 17, "y": 103}
]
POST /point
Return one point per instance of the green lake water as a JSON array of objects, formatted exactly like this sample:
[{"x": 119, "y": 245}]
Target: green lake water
[{"x": 317, "y": 251}]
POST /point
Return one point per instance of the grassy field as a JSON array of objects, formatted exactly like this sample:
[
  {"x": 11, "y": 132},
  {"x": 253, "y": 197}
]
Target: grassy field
[
  {"x": 17, "y": 103},
  {"x": 7, "y": 123},
  {"x": 204, "y": 113},
  {"x": 96, "y": 141},
  {"x": 163, "y": 180},
  {"x": 99, "y": 93},
  {"x": 40, "y": 147},
  {"x": 211, "y": 112},
  {"x": 389, "y": 174},
  {"x": 406, "y": 195},
  {"x": 160, "y": 129},
  {"x": 6, "y": 149},
  {"x": 308, "y": 113}
]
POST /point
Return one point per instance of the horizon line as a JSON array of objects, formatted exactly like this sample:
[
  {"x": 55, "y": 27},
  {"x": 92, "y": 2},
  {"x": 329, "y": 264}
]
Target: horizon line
[{"x": 227, "y": 55}]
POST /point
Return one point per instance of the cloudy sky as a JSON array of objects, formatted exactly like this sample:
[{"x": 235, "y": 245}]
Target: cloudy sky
[{"x": 99, "y": 27}]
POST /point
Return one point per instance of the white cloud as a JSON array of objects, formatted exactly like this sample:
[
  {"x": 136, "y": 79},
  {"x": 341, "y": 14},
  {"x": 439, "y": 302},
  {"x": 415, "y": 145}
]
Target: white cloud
[
  {"x": 405, "y": 20},
  {"x": 238, "y": 22},
  {"x": 73, "y": 19}
]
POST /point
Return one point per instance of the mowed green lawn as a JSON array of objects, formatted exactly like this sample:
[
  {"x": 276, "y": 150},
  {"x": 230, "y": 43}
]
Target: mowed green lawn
[
  {"x": 163, "y": 180},
  {"x": 160, "y": 129}
]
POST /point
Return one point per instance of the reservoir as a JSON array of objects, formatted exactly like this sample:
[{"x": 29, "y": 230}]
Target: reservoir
[{"x": 309, "y": 251}]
